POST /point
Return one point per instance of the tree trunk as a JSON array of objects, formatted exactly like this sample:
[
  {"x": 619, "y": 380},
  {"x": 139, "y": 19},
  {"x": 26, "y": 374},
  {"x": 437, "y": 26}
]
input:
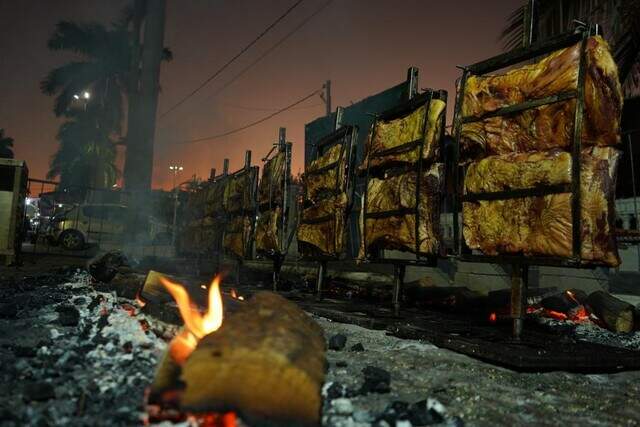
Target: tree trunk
[{"x": 140, "y": 144}]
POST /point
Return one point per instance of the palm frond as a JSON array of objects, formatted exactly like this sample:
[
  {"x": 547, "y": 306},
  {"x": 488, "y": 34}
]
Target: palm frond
[{"x": 83, "y": 39}]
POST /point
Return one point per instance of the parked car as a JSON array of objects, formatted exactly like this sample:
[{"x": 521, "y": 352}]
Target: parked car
[{"x": 84, "y": 224}]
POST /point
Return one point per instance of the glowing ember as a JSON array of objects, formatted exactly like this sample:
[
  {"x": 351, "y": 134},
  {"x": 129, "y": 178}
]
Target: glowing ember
[
  {"x": 197, "y": 325},
  {"x": 235, "y": 295},
  {"x": 141, "y": 303},
  {"x": 493, "y": 317},
  {"x": 131, "y": 310}
]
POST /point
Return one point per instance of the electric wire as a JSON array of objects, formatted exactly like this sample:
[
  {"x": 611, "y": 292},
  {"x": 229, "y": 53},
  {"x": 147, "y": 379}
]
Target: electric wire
[
  {"x": 221, "y": 69},
  {"x": 267, "y": 52},
  {"x": 257, "y": 122}
]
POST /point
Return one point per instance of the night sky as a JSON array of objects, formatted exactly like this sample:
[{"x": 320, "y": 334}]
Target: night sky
[{"x": 363, "y": 46}]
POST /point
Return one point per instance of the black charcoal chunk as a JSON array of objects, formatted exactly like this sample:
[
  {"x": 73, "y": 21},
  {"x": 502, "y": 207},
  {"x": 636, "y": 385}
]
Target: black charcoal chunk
[
  {"x": 357, "y": 347},
  {"x": 337, "y": 342}
]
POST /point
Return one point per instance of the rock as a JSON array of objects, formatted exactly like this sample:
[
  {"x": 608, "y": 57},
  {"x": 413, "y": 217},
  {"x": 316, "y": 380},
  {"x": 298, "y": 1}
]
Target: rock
[
  {"x": 341, "y": 364},
  {"x": 376, "y": 380},
  {"x": 342, "y": 406},
  {"x": 68, "y": 315},
  {"x": 38, "y": 391},
  {"x": 335, "y": 390},
  {"x": 337, "y": 342},
  {"x": 422, "y": 415},
  {"x": 357, "y": 347}
]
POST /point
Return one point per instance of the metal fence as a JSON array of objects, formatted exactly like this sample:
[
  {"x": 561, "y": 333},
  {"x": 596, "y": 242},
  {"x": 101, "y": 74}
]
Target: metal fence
[{"x": 80, "y": 221}]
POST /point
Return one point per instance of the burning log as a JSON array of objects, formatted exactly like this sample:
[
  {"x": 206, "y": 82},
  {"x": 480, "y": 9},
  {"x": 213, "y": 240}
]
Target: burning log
[
  {"x": 616, "y": 315},
  {"x": 266, "y": 362}
]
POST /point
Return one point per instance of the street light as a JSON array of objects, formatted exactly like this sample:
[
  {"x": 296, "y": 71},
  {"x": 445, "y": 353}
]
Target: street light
[
  {"x": 176, "y": 169},
  {"x": 84, "y": 96}
]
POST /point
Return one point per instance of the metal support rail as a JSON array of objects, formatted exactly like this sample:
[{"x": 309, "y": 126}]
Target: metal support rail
[
  {"x": 345, "y": 136},
  {"x": 399, "y": 265},
  {"x": 520, "y": 263}
]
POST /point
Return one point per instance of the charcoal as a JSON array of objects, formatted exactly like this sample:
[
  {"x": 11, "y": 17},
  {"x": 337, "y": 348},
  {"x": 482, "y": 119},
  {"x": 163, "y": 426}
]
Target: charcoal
[
  {"x": 376, "y": 380},
  {"x": 341, "y": 364},
  {"x": 337, "y": 342},
  {"x": 104, "y": 267},
  {"x": 24, "y": 351},
  {"x": 336, "y": 390},
  {"x": 395, "y": 411},
  {"x": 38, "y": 391},
  {"x": 68, "y": 315},
  {"x": 8, "y": 310},
  {"x": 357, "y": 347},
  {"x": 420, "y": 415}
]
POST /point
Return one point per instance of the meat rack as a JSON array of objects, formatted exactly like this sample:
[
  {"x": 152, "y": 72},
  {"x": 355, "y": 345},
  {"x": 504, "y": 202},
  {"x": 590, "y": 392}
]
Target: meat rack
[
  {"x": 248, "y": 242},
  {"x": 520, "y": 263},
  {"x": 282, "y": 146},
  {"x": 346, "y": 136},
  {"x": 400, "y": 264}
]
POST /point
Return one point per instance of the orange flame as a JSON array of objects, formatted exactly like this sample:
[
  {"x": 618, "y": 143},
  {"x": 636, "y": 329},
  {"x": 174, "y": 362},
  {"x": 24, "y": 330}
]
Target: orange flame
[
  {"x": 141, "y": 303},
  {"x": 197, "y": 325},
  {"x": 493, "y": 317}
]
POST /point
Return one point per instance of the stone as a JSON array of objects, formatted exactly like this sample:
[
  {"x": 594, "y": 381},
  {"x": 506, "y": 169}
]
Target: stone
[
  {"x": 337, "y": 342},
  {"x": 357, "y": 347},
  {"x": 341, "y": 364},
  {"x": 363, "y": 417}
]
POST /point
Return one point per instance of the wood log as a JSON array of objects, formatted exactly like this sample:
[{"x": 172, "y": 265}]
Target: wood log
[
  {"x": 266, "y": 363},
  {"x": 615, "y": 314}
]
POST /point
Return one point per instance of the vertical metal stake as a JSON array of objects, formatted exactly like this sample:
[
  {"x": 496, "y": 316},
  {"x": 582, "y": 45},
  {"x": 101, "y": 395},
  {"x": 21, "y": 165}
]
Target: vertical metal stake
[
  {"x": 519, "y": 283},
  {"x": 398, "y": 282},
  {"x": 322, "y": 272}
]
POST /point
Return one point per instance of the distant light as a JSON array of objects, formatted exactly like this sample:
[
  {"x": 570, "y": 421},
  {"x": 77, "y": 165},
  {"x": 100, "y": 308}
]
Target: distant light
[
  {"x": 59, "y": 205},
  {"x": 76, "y": 96},
  {"x": 86, "y": 95},
  {"x": 176, "y": 168}
]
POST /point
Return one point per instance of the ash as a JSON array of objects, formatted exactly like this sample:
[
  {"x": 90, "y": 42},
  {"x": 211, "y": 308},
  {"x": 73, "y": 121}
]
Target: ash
[
  {"x": 73, "y": 356},
  {"x": 459, "y": 390},
  {"x": 70, "y": 355},
  {"x": 590, "y": 332}
]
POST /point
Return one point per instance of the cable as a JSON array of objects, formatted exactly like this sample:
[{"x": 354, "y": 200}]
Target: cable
[
  {"x": 257, "y": 122},
  {"x": 241, "y": 107},
  {"x": 268, "y": 51},
  {"x": 271, "y": 49},
  {"x": 243, "y": 50}
]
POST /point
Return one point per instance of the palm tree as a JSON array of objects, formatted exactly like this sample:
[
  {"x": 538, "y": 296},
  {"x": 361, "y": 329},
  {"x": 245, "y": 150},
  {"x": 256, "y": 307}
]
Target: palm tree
[
  {"x": 107, "y": 69},
  {"x": 86, "y": 157},
  {"x": 620, "y": 19},
  {"x": 6, "y": 146}
]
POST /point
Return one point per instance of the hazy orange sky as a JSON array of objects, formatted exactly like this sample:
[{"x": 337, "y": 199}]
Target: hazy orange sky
[{"x": 363, "y": 46}]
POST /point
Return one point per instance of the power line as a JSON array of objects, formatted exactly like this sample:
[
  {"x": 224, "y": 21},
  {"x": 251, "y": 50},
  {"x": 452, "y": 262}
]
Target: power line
[
  {"x": 272, "y": 48},
  {"x": 243, "y": 50},
  {"x": 242, "y": 107},
  {"x": 268, "y": 51},
  {"x": 257, "y": 122}
]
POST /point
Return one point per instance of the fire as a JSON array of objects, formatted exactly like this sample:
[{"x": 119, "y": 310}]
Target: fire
[
  {"x": 493, "y": 317},
  {"x": 141, "y": 303},
  {"x": 197, "y": 325}
]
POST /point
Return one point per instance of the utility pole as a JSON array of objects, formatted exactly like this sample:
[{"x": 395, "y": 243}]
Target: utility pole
[{"x": 326, "y": 96}]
